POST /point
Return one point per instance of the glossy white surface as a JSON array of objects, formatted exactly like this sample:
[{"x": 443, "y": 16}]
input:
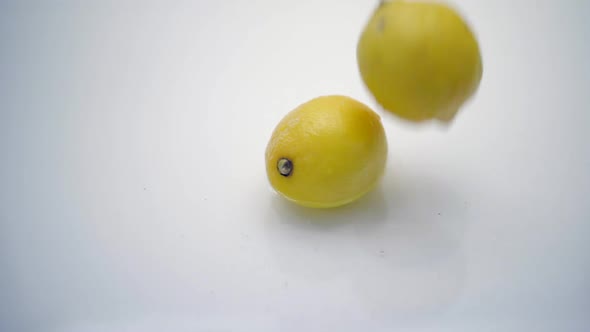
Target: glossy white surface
[{"x": 133, "y": 195}]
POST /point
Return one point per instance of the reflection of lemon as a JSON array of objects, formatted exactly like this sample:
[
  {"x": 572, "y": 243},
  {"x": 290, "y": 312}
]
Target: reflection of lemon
[
  {"x": 327, "y": 152},
  {"x": 419, "y": 59}
]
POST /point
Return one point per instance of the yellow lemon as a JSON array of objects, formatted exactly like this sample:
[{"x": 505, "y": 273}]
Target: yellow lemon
[
  {"x": 419, "y": 59},
  {"x": 326, "y": 152}
]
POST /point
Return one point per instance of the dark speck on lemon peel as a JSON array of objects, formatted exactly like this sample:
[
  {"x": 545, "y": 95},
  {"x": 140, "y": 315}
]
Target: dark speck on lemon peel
[
  {"x": 285, "y": 166},
  {"x": 381, "y": 25}
]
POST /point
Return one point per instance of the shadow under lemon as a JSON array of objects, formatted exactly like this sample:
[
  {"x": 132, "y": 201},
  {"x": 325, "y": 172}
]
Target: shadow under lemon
[
  {"x": 369, "y": 209},
  {"x": 399, "y": 246}
]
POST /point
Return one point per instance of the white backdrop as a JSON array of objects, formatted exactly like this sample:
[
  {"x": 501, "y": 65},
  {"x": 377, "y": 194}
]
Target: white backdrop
[{"x": 133, "y": 192}]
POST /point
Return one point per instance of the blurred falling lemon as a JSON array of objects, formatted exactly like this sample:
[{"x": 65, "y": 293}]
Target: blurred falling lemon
[
  {"x": 327, "y": 152},
  {"x": 419, "y": 59}
]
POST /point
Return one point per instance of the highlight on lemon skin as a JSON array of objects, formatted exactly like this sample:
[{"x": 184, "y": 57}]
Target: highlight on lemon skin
[
  {"x": 327, "y": 152},
  {"x": 419, "y": 59}
]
